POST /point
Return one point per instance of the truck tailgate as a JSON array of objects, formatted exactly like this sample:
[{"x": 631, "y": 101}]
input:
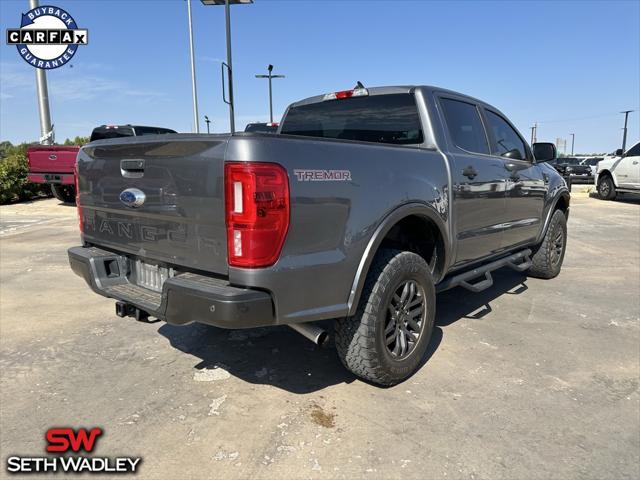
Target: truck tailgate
[
  {"x": 181, "y": 221},
  {"x": 52, "y": 159}
]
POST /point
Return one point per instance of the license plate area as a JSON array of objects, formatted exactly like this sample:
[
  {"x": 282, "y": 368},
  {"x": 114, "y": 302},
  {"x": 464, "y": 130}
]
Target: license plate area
[{"x": 150, "y": 276}]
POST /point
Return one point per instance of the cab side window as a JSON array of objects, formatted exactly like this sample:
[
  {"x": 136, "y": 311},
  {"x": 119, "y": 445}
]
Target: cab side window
[
  {"x": 465, "y": 126},
  {"x": 633, "y": 151},
  {"x": 505, "y": 142}
]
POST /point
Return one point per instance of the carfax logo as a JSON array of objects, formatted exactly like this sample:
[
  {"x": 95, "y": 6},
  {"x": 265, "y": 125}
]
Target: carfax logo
[{"x": 48, "y": 37}]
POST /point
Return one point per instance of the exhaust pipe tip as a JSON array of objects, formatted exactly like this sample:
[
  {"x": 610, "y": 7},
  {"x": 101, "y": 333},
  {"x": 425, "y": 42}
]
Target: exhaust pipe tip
[
  {"x": 316, "y": 334},
  {"x": 323, "y": 339}
]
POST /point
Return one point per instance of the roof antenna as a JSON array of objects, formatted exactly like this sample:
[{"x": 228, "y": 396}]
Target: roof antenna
[{"x": 359, "y": 85}]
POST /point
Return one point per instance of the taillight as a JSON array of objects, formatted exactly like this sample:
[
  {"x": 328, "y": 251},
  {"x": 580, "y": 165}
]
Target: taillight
[
  {"x": 257, "y": 212},
  {"x": 77, "y": 183}
]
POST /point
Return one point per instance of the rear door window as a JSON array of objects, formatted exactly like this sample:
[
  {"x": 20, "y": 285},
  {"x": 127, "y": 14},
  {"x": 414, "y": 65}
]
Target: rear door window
[
  {"x": 389, "y": 119},
  {"x": 465, "y": 125}
]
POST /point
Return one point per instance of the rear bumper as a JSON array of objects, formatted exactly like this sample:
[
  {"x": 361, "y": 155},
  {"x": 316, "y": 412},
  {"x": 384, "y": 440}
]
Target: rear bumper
[
  {"x": 52, "y": 178},
  {"x": 185, "y": 298}
]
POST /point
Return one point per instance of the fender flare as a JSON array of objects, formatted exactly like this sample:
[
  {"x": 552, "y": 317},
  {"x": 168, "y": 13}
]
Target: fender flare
[
  {"x": 609, "y": 172},
  {"x": 562, "y": 193},
  {"x": 388, "y": 222}
]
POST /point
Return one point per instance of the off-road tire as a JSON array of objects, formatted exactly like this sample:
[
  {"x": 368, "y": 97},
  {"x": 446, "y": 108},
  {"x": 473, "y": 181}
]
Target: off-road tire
[
  {"x": 360, "y": 339},
  {"x": 547, "y": 261},
  {"x": 64, "y": 193},
  {"x": 606, "y": 188}
]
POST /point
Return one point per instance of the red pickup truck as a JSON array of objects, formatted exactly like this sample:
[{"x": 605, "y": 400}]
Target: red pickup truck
[{"x": 54, "y": 164}]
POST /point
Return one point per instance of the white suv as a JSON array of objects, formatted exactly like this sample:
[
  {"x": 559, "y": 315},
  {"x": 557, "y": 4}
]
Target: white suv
[{"x": 619, "y": 174}]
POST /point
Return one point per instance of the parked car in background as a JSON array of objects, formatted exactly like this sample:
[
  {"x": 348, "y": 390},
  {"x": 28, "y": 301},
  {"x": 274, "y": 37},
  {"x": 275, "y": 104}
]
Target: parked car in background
[
  {"x": 261, "y": 127},
  {"x": 619, "y": 174},
  {"x": 570, "y": 167},
  {"x": 592, "y": 162},
  {"x": 364, "y": 205},
  {"x": 116, "y": 131},
  {"x": 54, "y": 164}
]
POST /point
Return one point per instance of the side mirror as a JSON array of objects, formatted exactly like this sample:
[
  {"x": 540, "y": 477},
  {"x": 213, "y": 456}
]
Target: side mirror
[
  {"x": 544, "y": 152},
  {"x": 618, "y": 152}
]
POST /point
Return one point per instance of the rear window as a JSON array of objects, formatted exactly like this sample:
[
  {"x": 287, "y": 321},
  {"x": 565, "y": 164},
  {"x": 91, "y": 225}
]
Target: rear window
[
  {"x": 151, "y": 130},
  {"x": 260, "y": 128},
  {"x": 101, "y": 133},
  {"x": 380, "y": 118}
]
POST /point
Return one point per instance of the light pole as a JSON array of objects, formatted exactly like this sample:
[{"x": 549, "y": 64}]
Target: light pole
[
  {"x": 227, "y": 3},
  {"x": 46, "y": 129},
  {"x": 624, "y": 134},
  {"x": 194, "y": 93},
  {"x": 207, "y": 121},
  {"x": 573, "y": 139},
  {"x": 270, "y": 76},
  {"x": 533, "y": 133}
]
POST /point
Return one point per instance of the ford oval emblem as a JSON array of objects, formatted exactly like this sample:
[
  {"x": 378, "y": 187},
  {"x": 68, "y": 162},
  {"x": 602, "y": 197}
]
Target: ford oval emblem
[
  {"x": 53, "y": 156},
  {"x": 132, "y": 197}
]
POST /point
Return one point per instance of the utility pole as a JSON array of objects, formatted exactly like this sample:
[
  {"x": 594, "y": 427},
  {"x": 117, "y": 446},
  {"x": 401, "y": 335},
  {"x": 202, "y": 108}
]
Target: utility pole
[
  {"x": 46, "y": 128},
  {"x": 207, "y": 121},
  {"x": 573, "y": 139},
  {"x": 270, "y": 76},
  {"x": 227, "y": 16},
  {"x": 232, "y": 115},
  {"x": 533, "y": 129},
  {"x": 194, "y": 93},
  {"x": 624, "y": 134}
]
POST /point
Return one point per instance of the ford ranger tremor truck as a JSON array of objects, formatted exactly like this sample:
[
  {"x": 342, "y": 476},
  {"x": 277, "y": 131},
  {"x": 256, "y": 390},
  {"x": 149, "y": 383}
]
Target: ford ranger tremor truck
[
  {"x": 54, "y": 164},
  {"x": 364, "y": 205}
]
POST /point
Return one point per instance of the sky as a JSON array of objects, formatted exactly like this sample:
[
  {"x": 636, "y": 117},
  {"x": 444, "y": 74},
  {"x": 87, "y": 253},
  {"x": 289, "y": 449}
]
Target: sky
[{"x": 570, "y": 66}]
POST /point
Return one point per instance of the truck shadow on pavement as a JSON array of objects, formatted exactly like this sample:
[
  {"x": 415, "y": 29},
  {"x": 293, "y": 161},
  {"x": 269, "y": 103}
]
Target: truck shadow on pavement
[
  {"x": 458, "y": 303},
  {"x": 280, "y": 357}
]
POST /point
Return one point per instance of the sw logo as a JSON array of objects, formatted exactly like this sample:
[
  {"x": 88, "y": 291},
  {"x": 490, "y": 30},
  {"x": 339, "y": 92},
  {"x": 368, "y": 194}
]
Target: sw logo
[
  {"x": 48, "y": 37},
  {"x": 66, "y": 440}
]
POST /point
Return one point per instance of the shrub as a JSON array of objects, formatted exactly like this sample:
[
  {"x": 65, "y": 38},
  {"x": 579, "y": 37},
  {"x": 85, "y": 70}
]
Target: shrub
[{"x": 14, "y": 185}]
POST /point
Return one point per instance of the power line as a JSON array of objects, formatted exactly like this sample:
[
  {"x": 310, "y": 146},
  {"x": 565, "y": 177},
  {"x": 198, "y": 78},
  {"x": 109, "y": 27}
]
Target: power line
[{"x": 575, "y": 119}]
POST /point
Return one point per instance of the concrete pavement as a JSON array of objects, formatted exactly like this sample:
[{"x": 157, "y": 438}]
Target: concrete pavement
[{"x": 529, "y": 379}]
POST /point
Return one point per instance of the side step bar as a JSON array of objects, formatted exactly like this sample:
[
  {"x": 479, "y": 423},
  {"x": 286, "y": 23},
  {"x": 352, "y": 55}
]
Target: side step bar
[{"x": 518, "y": 261}]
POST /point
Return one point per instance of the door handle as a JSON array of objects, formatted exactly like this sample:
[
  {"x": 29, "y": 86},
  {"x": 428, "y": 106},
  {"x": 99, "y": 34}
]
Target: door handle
[
  {"x": 470, "y": 172},
  {"x": 132, "y": 168},
  {"x": 635, "y": 162}
]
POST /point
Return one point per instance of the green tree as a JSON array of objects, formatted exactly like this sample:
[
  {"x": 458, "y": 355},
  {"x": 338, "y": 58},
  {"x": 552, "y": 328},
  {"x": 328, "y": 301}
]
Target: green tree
[
  {"x": 79, "y": 141},
  {"x": 13, "y": 175}
]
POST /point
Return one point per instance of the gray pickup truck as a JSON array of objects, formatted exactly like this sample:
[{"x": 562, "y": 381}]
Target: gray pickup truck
[{"x": 364, "y": 205}]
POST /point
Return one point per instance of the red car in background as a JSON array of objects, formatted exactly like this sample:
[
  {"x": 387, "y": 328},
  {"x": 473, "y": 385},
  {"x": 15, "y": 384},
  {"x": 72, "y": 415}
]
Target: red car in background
[{"x": 54, "y": 164}]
